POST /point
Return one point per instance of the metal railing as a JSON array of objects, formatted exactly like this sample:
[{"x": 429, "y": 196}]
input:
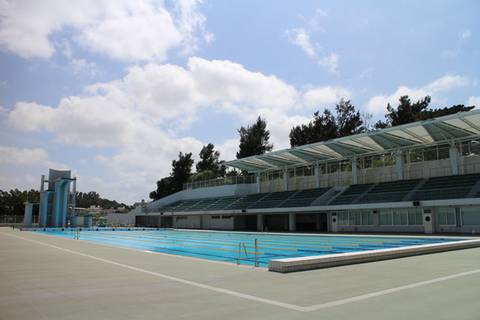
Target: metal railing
[
  {"x": 219, "y": 182},
  {"x": 8, "y": 219},
  {"x": 243, "y": 253}
]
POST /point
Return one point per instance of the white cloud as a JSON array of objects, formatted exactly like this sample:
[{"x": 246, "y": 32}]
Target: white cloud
[
  {"x": 138, "y": 116},
  {"x": 121, "y": 29},
  {"x": 22, "y": 156},
  {"x": 79, "y": 66},
  {"x": 435, "y": 89},
  {"x": 330, "y": 62},
  {"x": 322, "y": 96},
  {"x": 473, "y": 101},
  {"x": 301, "y": 38},
  {"x": 465, "y": 34}
]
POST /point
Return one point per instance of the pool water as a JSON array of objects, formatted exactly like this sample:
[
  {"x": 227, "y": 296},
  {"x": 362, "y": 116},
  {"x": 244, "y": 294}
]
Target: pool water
[{"x": 239, "y": 247}]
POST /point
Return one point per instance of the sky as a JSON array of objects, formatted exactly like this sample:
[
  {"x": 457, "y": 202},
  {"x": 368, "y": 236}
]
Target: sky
[{"x": 114, "y": 89}]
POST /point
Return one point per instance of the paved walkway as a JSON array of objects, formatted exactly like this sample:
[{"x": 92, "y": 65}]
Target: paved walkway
[{"x": 44, "y": 277}]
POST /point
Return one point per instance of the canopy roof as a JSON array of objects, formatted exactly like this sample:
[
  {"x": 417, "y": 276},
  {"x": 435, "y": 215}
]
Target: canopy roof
[{"x": 455, "y": 127}]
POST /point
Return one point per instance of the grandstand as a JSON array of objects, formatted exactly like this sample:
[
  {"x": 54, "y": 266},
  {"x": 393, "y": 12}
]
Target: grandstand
[{"x": 420, "y": 177}]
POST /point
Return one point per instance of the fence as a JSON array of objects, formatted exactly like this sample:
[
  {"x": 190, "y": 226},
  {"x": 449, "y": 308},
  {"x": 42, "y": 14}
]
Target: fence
[
  {"x": 8, "y": 220},
  {"x": 219, "y": 182}
]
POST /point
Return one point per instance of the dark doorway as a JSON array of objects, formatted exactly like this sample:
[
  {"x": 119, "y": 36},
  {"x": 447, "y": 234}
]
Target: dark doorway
[
  {"x": 147, "y": 221},
  {"x": 311, "y": 222},
  {"x": 166, "y": 222},
  {"x": 306, "y": 222},
  {"x": 275, "y": 222},
  {"x": 245, "y": 222}
]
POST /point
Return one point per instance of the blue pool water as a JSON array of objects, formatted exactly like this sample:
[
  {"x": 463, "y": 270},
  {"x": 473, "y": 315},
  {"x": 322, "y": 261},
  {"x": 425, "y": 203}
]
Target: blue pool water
[{"x": 240, "y": 247}]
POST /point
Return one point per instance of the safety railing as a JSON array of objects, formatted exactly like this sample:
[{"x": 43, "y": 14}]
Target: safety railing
[
  {"x": 245, "y": 255},
  {"x": 219, "y": 182}
]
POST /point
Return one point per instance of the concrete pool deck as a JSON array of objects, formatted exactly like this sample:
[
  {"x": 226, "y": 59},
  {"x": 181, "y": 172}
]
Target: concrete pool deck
[{"x": 44, "y": 277}]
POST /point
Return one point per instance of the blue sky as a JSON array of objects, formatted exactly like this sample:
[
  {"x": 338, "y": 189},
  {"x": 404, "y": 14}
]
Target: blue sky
[{"x": 115, "y": 89}]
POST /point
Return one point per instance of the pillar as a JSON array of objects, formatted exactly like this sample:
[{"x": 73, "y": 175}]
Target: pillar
[
  {"x": 454, "y": 158},
  {"x": 292, "y": 223},
  {"x": 27, "y": 217},
  {"x": 60, "y": 201},
  {"x": 44, "y": 208},
  {"x": 259, "y": 222},
  {"x": 257, "y": 181},
  {"x": 285, "y": 180},
  {"x": 317, "y": 175},
  {"x": 399, "y": 164},
  {"x": 354, "y": 170}
]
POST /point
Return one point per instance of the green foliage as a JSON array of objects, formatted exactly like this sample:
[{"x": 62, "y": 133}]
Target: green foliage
[
  {"x": 345, "y": 122},
  {"x": 254, "y": 139},
  {"x": 12, "y": 202},
  {"x": 407, "y": 112},
  {"x": 91, "y": 198},
  {"x": 210, "y": 162},
  {"x": 181, "y": 171}
]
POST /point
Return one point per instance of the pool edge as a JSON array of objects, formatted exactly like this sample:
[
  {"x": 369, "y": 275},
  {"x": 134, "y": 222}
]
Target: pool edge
[{"x": 333, "y": 260}]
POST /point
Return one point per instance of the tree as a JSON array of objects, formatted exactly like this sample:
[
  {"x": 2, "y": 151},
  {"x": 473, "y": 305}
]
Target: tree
[
  {"x": 180, "y": 174},
  {"x": 326, "y": 126},
  {"x": 254, "y": 139},
  {"x": 349, "y": 121},
  {"x": 164, "y": 188},
  {"x": 407, "y": 112},
  {"x": 210, "y": 161},
  {"x": 181, "y": 170}
]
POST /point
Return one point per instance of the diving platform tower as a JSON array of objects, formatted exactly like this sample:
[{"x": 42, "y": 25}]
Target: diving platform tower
[{"x": 55, "y": 199}]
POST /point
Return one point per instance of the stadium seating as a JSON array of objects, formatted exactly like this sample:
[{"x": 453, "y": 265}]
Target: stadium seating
[
  {"x": 392, "y": 191},
  {"x": 272, "y": 200},
  {"x": 246, "y": 201},
  {"x": 448, "y": 187},
  {"x": 304, "y": 198},
  {"x": 351, "y": 194}
]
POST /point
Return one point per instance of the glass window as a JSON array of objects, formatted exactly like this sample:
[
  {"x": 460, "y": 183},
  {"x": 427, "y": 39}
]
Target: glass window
[
  {"x": 355, "y": 218},
  {"x": 446, "y": 216},
  {"x": 430, "y": 154},
  {"x": 475, "y": 147},
  {"x": 385, "y": 218},
  {"x": 367, "y": 162},
  {"x": 471, "y": 216},
  {"x": 465, "y": 148},
  {"x": 343, "y": 218},
  {"x": 400, "y": 218},
  {"x": 443, "y": 152},
  {"x": 415, "y": 217},
  {"x": 367, "y": 218},
  {"x": 377, "y": 161},
  {"x": 416, "y": 155}
]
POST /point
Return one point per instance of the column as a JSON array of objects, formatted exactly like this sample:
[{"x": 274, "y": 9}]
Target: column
[
  {"x": 44, "y": 205},
  {"x": 27, "y": 217},
  {"x": 257, "y": 181},
  {"x": 399, "y": 164},
  {"x": 317, "y": 175},
  {"x": 259, "y": 222},
  {"x": 285, "y": 179},
  {"x": 292, "y": 223},
  {"x": 354, "y": 170},
  {"x": 454, "y": 158}
]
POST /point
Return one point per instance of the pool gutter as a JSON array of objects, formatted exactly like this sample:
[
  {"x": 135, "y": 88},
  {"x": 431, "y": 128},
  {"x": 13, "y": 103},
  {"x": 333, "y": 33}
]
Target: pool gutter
[{"x": 334, "y": 260}]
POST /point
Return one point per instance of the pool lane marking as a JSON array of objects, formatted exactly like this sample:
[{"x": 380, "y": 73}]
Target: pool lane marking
[{"x": 255, "y": 298}]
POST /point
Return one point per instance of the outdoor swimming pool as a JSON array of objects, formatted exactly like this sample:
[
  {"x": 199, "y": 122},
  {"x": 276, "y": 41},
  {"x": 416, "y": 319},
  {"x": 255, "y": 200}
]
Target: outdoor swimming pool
[{"x": 239, "y": 247}]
